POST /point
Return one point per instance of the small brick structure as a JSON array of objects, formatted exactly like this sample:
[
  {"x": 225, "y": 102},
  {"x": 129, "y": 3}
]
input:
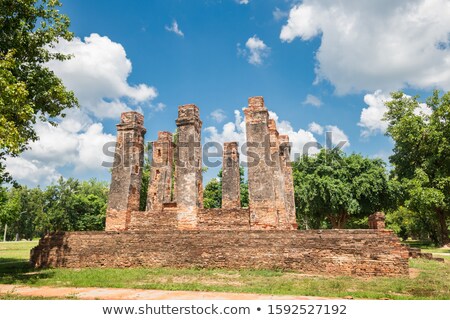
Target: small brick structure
[
  {"x": 377, "y": 221},
  {"x": 176, "y": 231}
]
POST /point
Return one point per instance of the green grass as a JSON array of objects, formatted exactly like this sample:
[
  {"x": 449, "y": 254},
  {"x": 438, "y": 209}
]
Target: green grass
[{"x": 431, "y": 279}]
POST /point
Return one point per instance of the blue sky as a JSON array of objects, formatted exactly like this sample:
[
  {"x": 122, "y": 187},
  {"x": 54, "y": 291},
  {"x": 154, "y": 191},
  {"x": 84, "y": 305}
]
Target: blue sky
[{"x": 320, "y": 65}]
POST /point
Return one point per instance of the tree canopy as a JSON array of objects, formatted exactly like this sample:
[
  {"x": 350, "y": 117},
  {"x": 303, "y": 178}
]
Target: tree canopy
[
  {"x": 331, "y": 187},
  {"x": 421, "y": 159},
  {"x": 68, "y": 205},
  {"x": 29, "y": 90}
]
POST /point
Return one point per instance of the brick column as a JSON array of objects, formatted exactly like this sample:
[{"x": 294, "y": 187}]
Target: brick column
[
  {"x": 263, "y": 213},
  {"x": 231, "y": 178},
  {"x": 286, "y": 168},
  {"x": 126, "y": 176},
  {"x": 377, "y": 221},
  {"x": 278, "y": 176},
  {"x": 159, "y": 190},
  {"x": 189, "y": 184}
]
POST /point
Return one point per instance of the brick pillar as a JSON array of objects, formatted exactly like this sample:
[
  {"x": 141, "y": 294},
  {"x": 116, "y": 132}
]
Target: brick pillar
[
  {"x": 159, "y": 190},
  {"x": 261, "y": 191},
  {"x": 377, "y": 221},
  {"x": 189, "y": 184},
  {"x": 286, "y": 168},
  {"x": 126, "y": 177},
  {"x": 231, "y": 178},
  {"x": 278, "y": 176}
]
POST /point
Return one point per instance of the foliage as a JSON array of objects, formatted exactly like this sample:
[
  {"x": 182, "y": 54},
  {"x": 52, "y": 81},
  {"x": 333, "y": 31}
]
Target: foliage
[
  {"x": 68, "y": 205},
  {"x": 212, "y": 194},
  {"x": 29, "y": 90},
  {"x": 145, "y": 178},
  {"x": 331, "y": 187},
  {"x": 421, "y": 159}
]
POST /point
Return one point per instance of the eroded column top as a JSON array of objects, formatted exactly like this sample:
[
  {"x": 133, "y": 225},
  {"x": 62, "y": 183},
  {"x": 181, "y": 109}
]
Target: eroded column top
[{"x": 256, "y": 102}]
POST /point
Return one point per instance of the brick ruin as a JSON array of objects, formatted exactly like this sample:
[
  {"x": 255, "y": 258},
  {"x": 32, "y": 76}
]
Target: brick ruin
[
  {"x": 175, "y": 230},
  {"x": 176, "y": 187}
]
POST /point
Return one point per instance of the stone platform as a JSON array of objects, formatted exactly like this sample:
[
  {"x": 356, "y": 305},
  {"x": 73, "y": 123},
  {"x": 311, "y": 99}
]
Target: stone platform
[{"x": 330, "y": 252}]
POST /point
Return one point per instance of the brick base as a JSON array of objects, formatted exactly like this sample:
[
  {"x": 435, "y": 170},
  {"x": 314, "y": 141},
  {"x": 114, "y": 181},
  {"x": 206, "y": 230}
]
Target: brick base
[{"x": 331, "y": 252}]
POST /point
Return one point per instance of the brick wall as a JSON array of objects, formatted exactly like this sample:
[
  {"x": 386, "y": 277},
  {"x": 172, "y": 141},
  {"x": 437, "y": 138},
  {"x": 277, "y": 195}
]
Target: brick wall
[{"x": 331, "y": 252}]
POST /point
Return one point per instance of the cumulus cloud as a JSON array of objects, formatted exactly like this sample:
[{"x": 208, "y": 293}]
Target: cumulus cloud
[
  {"x": 76, "y": 142},
  {"x": 31, "y": 171},
  {"x": 315, "y": 128},
  {"x": 255, "y": 50},
  {"x": 175, "y": 29},
  {"x": 371, "y": 45},
  {"x": 338, "y": 136},
  {"x": 98, "y": 74},
  {"x": 218, "y": 115},
  {"x": 244, "y": 1},
  {"x": 312, "y": 100},
  {"x": 371, "y": 119}
]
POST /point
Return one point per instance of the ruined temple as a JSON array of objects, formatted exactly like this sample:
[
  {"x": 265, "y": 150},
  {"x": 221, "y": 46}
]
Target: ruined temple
[
  {"x": 175, "y": 230},
  {"x": 175, "y": 191}
]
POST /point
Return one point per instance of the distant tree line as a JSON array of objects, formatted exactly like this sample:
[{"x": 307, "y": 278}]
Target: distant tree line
[{"x": 68, "y": 205}]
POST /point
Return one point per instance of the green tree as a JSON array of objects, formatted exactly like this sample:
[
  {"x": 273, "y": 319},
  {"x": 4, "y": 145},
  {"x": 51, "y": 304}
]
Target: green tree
[
  {"x": 145, "y": 177},
  {"x": 71, "y": 205},
  {"x": 212, "y": 194},
  {"x": 421, "y": 159},
  {"x": 20, "y": 211},
  {"x": 29, "y": 90},
  {"x": 331, "y": 188}
]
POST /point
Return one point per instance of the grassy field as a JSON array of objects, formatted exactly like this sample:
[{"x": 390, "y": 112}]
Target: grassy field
[{"x": 428, "y": 279}]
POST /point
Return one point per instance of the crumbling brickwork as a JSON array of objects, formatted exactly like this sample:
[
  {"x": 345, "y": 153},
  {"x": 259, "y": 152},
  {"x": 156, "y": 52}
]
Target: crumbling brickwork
[
  {"x": 126, "y": 176},
  {"x": 189, "y": 195},
  {"x": 261, "y": 185},
  {"x": 159, "y": 190},
  {"x": 286, "y": 168},
  {"x": 329, "y": 252},
  {"x": 231, "y": 178},
  {"x": 377, "y": 221}
]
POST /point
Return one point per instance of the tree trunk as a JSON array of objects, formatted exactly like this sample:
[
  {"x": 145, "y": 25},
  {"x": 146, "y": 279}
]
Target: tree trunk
[
  {"x": 338, "y": 221},
  {"x": 443, "y": 228}
]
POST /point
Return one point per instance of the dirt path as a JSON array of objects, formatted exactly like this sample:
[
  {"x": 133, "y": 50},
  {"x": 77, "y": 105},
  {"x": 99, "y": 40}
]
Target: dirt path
[{"x": 137, "y": 294}]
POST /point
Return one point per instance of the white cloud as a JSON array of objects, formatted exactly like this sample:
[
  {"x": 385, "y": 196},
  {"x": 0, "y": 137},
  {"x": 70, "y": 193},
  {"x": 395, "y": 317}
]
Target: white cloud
[
  {"x": 244, "y": 1},
  {"x": 302, "y": 141},
  {"x": 279, "y": 14},
  {"x": 371, "y": 45},
  {"x": 76, "y": 142},
  {"x": 98, "y": 74},
  {"x": 312, "y": 100},
  {"x": 175, "y": 29},
  {"x": 255, "y": 50},
  {"x": 315, "y": 128},
  {"x": 371, "y": 119},
  {"x": 158, "y": 107},
  {"x": 218, "y": 115},
  {"x": 338, "y": 136},
  {"x": 31, "y": 171}
]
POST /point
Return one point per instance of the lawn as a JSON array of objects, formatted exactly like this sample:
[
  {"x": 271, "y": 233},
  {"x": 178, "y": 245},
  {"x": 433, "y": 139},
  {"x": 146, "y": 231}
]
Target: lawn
[{"x": 428, "y": 280}]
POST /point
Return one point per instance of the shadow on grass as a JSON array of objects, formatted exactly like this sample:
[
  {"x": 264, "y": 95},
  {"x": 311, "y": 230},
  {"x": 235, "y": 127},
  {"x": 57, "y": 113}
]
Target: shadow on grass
[{"x": 13, "y": 271}]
